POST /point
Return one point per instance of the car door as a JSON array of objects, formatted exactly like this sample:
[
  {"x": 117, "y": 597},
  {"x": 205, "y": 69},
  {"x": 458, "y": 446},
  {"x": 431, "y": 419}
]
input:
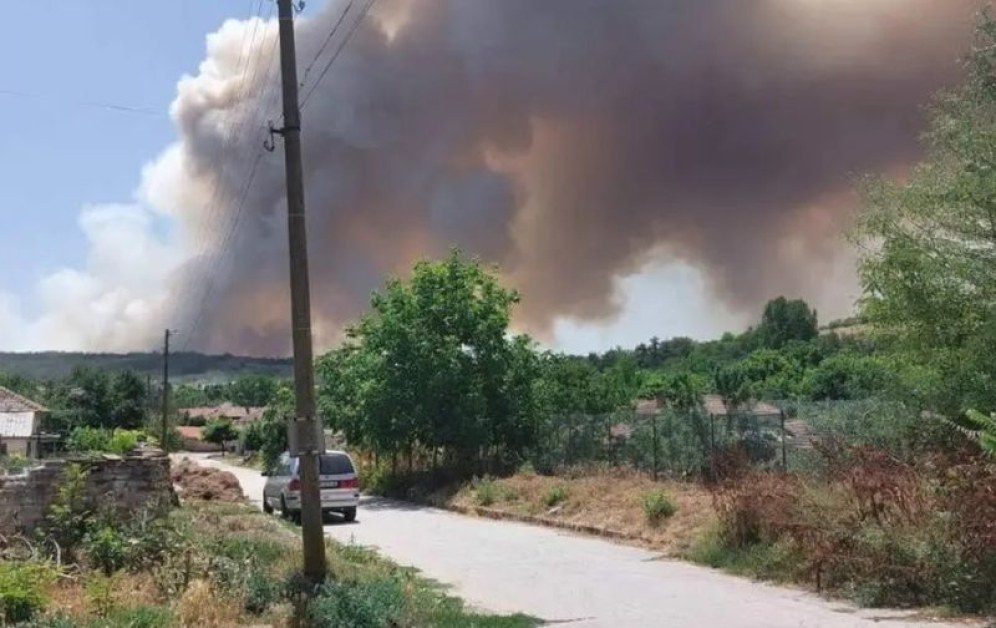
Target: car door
[{"x": 278, "y": 480}]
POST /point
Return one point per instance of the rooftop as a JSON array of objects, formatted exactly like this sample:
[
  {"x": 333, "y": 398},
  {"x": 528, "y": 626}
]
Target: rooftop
[{"x": 10, "y": 401}]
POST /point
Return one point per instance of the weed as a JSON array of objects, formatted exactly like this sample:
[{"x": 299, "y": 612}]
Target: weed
[
  {"x": 486, "y": 490},
  {"x": 100, "y": 594},
  {"x": 657, "y": 507},
  {"x": 555, "y": 495},
  {"x": 106, "y": 549},
  {"x": 262, "y": 590},
  {"x": 364, "y": 605},
  {"x": 22, "y": 590}
]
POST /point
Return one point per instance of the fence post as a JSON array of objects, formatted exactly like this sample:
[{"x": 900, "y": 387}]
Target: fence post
[
  {"x": 653, "y": 417},
  {"x": 712, "y": 447},
  {"x": 781, "y": 414}
]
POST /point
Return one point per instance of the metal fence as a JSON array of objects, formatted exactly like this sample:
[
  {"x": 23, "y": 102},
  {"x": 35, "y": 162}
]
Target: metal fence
[{"x": 667, "y": 443}]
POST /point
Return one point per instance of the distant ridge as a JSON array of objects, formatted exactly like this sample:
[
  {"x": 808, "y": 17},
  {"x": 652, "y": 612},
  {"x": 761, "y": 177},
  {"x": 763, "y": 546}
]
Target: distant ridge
[{"x": 186, "y": 365}]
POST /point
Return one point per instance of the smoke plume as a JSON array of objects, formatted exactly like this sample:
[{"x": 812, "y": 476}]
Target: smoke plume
[{"x": 569, "y": 141}]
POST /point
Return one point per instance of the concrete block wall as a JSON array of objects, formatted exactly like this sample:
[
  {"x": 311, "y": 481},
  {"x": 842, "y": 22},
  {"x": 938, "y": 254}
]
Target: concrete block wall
[{"x": 119, "y": 484}]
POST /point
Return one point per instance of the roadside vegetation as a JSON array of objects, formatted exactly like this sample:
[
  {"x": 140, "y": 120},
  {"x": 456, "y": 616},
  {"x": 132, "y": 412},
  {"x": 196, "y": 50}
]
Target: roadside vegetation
[{"x": 205, "y": 564}]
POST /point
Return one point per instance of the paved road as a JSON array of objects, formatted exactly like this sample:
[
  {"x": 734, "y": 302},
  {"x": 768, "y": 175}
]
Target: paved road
[{"x": 584, "y": 582}]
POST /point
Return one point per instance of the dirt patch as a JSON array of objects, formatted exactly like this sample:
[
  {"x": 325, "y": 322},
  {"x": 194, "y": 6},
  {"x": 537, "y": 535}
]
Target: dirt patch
[
  {"x": 194, "y": 482},
  {"x": 609, "y": 500}
]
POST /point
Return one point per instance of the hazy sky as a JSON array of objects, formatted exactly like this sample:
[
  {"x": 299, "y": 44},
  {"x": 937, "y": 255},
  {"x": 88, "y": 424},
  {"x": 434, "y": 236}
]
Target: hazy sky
[{"x": 97, "y": 203}]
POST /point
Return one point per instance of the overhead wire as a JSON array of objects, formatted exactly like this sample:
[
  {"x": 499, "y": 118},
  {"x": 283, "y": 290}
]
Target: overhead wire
[
  {"x": 338, "y": 51},
  {"x": 321, "y": 49},
  {"x": 222, "y": 194}
]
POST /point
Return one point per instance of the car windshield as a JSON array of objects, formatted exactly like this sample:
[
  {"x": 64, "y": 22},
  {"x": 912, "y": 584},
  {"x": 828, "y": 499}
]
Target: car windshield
[{"x": 336, "y": 464}]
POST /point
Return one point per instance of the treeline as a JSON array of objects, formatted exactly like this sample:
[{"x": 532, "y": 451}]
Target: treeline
[
  {"x": 59, "y": 365},
  {"x": 433, "y": 369}
]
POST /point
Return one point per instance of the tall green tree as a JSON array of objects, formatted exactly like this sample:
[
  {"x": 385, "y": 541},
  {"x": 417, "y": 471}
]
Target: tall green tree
[
  {"x": 930, "y": 247},
  {"x": 433, "y": 366},
  {"x": 128, "y": 400},
  {"x": 784, "y": 321},
  {"x": 253, "y": 391}
]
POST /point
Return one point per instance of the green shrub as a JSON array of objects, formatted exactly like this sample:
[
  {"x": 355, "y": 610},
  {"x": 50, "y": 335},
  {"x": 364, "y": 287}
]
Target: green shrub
[
  {"x": 67, "y": 521},
  {"x": 220, "y": 431},
  {"x": 95, "y": 440},
  {"x": 14, "y": 464},
  {"x": 121, "y": 442},
  {"x": 138, "y": 617},
  {"x": 657, "y": 507},
  {"x": 371, "y": 604},
  {"x": 555, "y": 495},
  {"x": 486, "y": 490},
  {"x": 106, "y": 549},
  {"x": 261, "y": 591},
  {"x": 88, "y": 439},
  {"x": 22, "y": 590}
]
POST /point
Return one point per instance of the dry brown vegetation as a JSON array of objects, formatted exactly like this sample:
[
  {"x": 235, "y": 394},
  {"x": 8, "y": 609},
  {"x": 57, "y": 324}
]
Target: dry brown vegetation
[
  {"x": 610, "y": 499},
  {"x": 205, "y": 484}
]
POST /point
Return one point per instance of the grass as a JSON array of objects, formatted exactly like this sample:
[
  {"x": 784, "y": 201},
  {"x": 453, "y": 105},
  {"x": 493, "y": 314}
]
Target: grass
[
  {"x": 612, "y": 499},
  {"x": 237, "y": 566}
]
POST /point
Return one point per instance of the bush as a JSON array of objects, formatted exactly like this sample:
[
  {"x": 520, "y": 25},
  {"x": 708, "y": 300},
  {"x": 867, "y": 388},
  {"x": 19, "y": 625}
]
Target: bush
[
  {"x": 485, "y": 490},
  {"x": 371, "y": 604},
  {"x": 882, "y": 531},
  {"x": 261, "y": 591},
  {"x": 68, "y": 521},
  {"x": 555, "y": 495},
  {"x": 106, "y": 549},
  {"x": 122, "y": 442},
  {"x": 94, "y": 440},
  {"x": 220, "y": 431},
  {"x": 22, "y": 590},
  {"x": 657, "y": 507},
  {"x": 14, "y": 464}
]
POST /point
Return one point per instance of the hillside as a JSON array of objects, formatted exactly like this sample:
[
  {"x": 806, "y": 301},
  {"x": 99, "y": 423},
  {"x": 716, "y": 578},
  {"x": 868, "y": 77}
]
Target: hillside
[{"x": 187, "y": 365}]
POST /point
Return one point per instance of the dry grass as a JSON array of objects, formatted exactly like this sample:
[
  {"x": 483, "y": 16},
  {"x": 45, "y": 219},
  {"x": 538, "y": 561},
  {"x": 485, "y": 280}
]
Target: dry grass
[
  {"x": 608, "y": 499},
  {"x": 201, "y": 605}
]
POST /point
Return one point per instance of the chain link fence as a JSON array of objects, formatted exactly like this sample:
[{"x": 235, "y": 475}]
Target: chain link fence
[{"x": 775, "y": 435}]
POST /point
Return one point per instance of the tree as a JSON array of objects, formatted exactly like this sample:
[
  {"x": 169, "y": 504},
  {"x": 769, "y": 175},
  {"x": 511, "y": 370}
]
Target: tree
[
  {"x": 253, "y": 391},
  {"x": 86, "y": 395},
  {"x": 784, "y": 321},
  {"x": 220, "y": 431},
  {"x": 929, "y": 247},
  {"x": 846, "y": 376},
  {"x": 432, "y": 366},
  {"x": 128, "y": 400}
]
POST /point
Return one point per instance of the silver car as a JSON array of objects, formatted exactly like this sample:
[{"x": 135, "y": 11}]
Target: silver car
[{"x": 338, "y": 480}]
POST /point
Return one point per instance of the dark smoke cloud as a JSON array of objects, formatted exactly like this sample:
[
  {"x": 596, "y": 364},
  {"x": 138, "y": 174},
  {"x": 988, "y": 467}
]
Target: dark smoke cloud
[{"x": 567, "y": 140}]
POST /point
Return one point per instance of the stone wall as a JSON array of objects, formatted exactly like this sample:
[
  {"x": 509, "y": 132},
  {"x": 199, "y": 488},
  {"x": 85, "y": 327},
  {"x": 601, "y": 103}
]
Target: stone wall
[{"x": 120, "y": 484}]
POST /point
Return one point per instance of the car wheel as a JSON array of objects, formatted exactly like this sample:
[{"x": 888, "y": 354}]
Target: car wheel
[
  {"x": 349, "y": 514},
  {"x": 267, "y": 508}
]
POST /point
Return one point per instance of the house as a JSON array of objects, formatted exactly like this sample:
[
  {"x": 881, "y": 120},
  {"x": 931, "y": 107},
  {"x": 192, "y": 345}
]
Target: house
[
  {"x": 20, "y": 426},
  {"x": 236, "y": 414},
  {"x": 192, "y": 439}
]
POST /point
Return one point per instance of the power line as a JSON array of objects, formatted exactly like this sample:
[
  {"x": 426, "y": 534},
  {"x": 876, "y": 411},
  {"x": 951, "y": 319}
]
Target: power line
[
  {"x": 332, "y": 33},
  {"x": 342, "y": 44},
  {"x": 93, "y": 104},
  {"x": 217, "y": 194}
]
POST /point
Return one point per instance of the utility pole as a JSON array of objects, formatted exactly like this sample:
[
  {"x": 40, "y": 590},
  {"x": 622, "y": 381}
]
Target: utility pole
[
  {"x": 164, "y": 442},
  {"x": 304, "y": 429}
]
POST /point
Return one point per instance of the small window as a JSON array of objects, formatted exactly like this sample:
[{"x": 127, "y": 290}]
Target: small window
[{"x": 336, "y": 464}]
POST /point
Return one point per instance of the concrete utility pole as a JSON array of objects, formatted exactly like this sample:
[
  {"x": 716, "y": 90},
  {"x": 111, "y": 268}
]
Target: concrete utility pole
[
  {"x": 164, "y": 443},
  {"x": 304, "y": 429}
]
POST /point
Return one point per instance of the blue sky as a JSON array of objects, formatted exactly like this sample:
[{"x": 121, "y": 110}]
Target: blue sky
[{"x": 59, "y": 154}]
